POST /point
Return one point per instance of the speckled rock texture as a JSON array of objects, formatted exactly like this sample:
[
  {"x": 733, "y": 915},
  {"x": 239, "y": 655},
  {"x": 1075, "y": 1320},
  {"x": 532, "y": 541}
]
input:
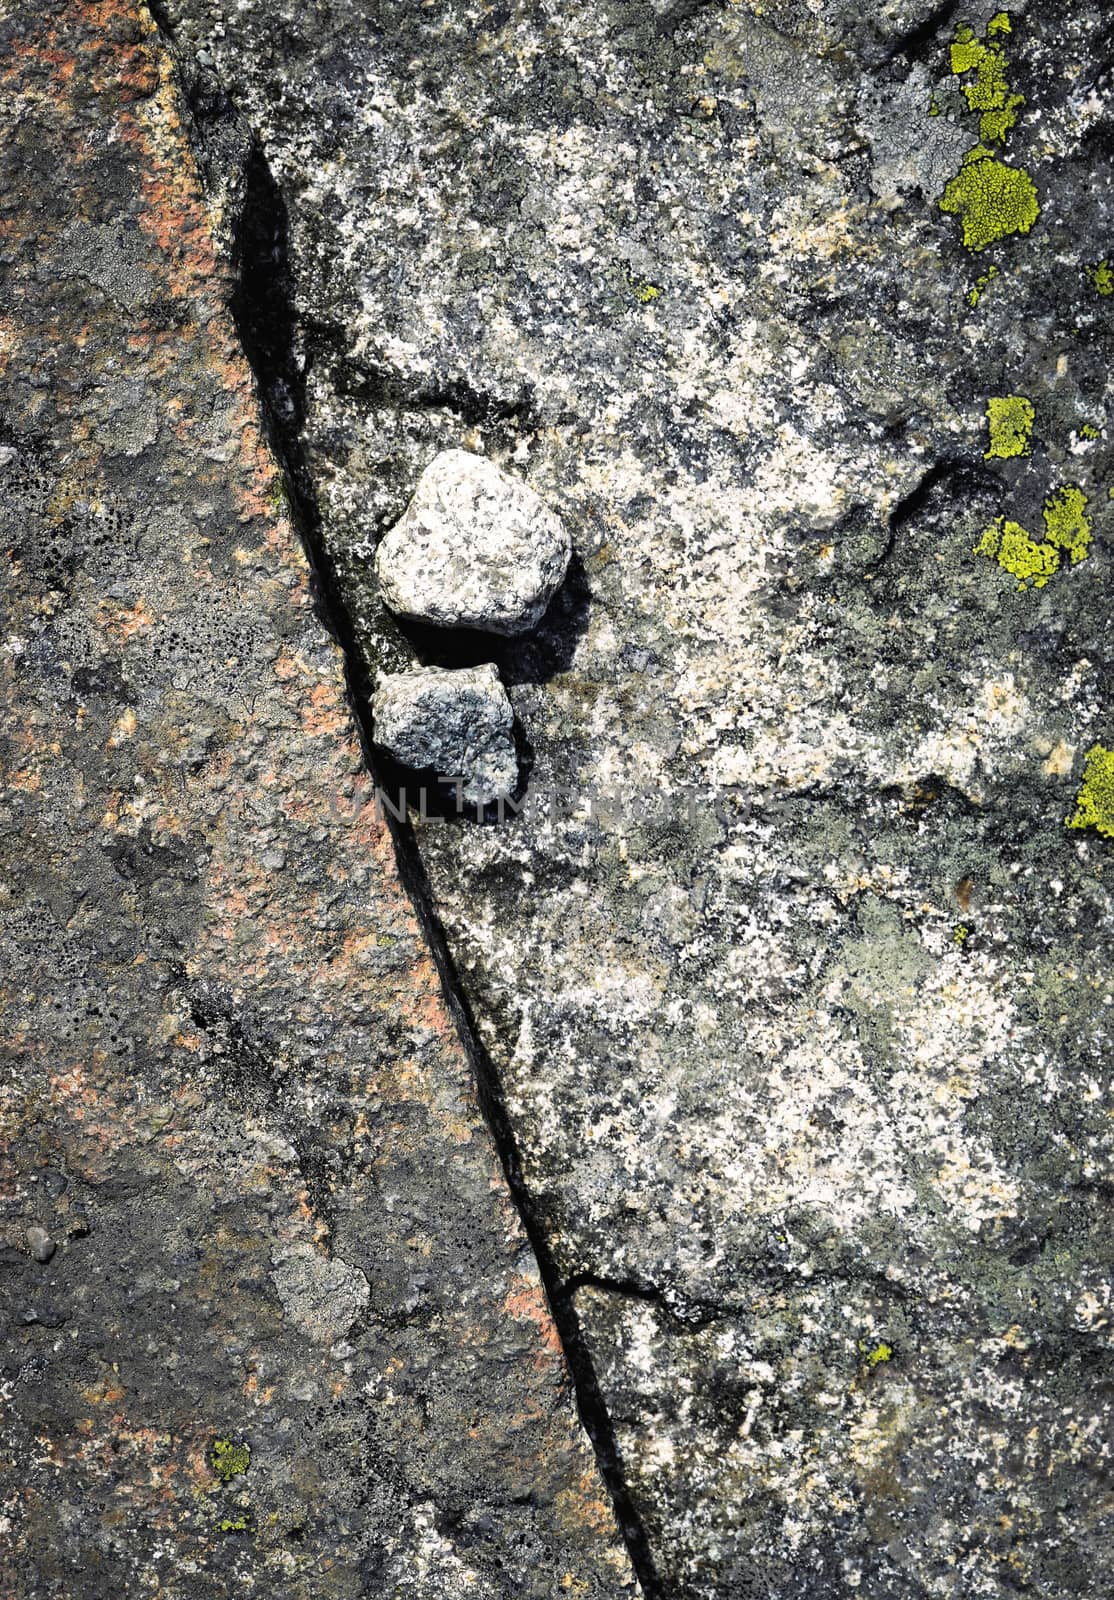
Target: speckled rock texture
[
  {"x": 474, "y": 549},
  {"x": 271, "y": 1323},
  {"x": 795, "y": 981},
  {"x": 457, "y": 726}
]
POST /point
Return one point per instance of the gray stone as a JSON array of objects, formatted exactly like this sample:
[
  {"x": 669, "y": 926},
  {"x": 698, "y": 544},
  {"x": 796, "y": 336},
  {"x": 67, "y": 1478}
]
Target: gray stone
[
  {"x": 458, "y": 723},
  {"x": 474, "y": 549},
  {"x": 40, "y": 1244},
  {"x": 320, "y": 1295}
]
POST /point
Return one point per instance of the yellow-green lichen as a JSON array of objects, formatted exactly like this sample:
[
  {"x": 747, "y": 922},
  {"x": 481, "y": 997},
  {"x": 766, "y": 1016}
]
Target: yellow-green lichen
[
  {"x": 1088, "y": 431},
  {"x": 1066, "y": 528},
  {"x": 278, "y": 497},
  {"x": 989, "y": 92},
  {"x": 994, "y": 125},
  {"x": 1010, "y": 545},
  {"x": 1094, "y": 804},
  {"x": 975, "y": 294},
  {"x": 642, "y": 289},
  {"x": 991, "y": 198},
  {"x": 1066, "y": 523},
  {"x": 1009, "y": 418},
  {"x": 961, "y": 934},
  {"x": 967, "y": 50},
  {"x": 234, "y": 1525},
  {"x": 229, "y": 1460},
  {"x": 1102, "y": 277},
  {"x": 875, "y": 1357}
]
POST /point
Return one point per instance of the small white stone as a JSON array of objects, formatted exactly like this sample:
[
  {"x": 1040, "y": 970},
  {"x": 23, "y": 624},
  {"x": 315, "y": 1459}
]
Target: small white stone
[
  {"x": 473, "y": 549},
  {"x": 40, "y": 1244},
  {"x": 457, "y": 723}
]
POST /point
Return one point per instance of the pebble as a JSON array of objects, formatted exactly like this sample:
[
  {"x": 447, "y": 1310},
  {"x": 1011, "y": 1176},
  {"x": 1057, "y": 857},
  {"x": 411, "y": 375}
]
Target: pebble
[
  {"x": 40, "y": 1244},
  {"x": 474, "y": 549},
  {"x": 459, "y": 724}
]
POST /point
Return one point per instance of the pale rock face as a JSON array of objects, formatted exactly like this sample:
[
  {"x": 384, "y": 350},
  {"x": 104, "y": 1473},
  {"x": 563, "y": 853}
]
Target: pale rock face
[
  {"x": 320, "y": 1295},
  {"x": 474, "y": 549},
  {"x": 459, "y": 723}
]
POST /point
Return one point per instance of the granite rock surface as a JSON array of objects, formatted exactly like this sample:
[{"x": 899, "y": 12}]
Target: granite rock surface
[
  {"x": 271, "y": 1321},
  {"x": 792, "y": 972}
]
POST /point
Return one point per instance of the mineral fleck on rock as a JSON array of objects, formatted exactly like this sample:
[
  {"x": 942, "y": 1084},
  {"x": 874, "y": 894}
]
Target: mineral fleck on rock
[
  {"x": 474, "y": 549},
  {"x": 459, "y": 723}
]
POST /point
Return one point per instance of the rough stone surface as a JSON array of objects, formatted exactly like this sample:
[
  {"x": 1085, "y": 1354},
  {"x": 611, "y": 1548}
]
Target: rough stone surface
[
  {"x": 457, "y": 725},
  {"x": 474, "y": 549},
  {"x": 804, "y": 1025},
  {"x": 292, "y": 1340}
]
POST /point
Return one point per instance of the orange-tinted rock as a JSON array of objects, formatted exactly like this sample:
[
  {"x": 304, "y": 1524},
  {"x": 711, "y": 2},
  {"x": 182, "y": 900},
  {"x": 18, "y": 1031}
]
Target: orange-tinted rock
[{"x": 280, "y": 1344}]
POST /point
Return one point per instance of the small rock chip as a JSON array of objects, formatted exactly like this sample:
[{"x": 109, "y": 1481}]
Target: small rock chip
[
  {"x": 458, "y": 723},
  {"x": 40, "y": 1244},
  {"x": 474, "y": 549}
]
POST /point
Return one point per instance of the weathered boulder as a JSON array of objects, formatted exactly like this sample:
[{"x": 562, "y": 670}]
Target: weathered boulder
[
  {"x": 457, "y": 725},
  {"x": 473, "y": 549}
]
